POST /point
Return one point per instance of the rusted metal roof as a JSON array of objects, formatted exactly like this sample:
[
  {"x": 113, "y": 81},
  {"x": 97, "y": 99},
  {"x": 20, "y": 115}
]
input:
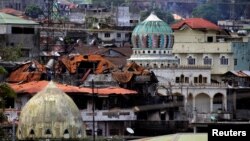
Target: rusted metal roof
[
  {"x": 72, "y": 63},
  {"x": 125, "y": 52},
  {"x": 24, "y": 74},
  {"x": 239, "y": 73},
  {"x": 131, "y": 69},
  {"x": 35, "y": 86}
]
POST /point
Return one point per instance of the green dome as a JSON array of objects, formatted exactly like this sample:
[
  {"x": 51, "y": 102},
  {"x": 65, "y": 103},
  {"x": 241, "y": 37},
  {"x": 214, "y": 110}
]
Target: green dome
[
  {"x": 152, "y": 25},
  {"x": 152, "y": 33}
]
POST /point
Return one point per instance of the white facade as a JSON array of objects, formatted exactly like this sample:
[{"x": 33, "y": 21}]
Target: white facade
[
  {"x": 125, "y": 18},
  {"x": 201, "y": 98}
]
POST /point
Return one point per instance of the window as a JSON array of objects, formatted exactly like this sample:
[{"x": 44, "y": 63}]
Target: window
[
  {"x": 209, "y": 39},
  {"x": 127, "y": 35},
  {"x": 22, "y": 30},
  {"x": 118, "y": 35},
  {"x": 207, "y": 61},
  {"x": 204, "y": 80},
  {"x": 178, "y": 60},
  {"x": 191, "y": 60},
  {"x": 107, "y": 35},
  {"x": 182, "y": 78},
  {"x": 177, "y": 80},
  {"x": 195, "y": 79},
  {"x": 186, "y": 80},
  {"x": 223, "y": 60},
  {"x": 235, "y": 62},
  {"x": 200, "y": 78}
]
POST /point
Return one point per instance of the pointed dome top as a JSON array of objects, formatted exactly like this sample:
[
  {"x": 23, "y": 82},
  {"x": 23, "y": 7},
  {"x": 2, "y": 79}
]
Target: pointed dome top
[
  {"x": 152, "y": 17},
  {"x": 50, "y": 111},
  {"x": 152, "y": 25}
]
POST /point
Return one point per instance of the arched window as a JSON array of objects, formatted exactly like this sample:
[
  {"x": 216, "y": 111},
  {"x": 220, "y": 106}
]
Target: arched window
[
  {"x": 182, "y": 78},
  {"x": 48, "y": 132},
  {"x": 178, "y": 59},
  {"x": 32, "y": 132},
  {"x": 200, "y": 78},
  {"x": 66, "y": 134},
  {"x": 191, "y": 60},
  {"x": 207, "y": 61},
  {"x": 223, "y": 60}
]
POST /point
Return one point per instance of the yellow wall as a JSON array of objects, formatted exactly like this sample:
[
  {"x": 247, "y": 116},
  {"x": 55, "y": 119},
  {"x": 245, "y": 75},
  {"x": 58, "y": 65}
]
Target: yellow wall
[
  {"x": 189, "y": 35},
  {"x": 194, "y": 43}
]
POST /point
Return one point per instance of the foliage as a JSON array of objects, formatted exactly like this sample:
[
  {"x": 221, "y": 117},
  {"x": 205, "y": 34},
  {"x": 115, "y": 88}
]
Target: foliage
[
  {"x": 5, "y": 91},
  {"x": 33, "y": 11},
  {"x": 164, "y": 15},
  {"x": 10, "y": 53},
  {"x": 2, "y": 70},
  {"x": 207, "y": 11},
  {"x": 108, "y": 3}
]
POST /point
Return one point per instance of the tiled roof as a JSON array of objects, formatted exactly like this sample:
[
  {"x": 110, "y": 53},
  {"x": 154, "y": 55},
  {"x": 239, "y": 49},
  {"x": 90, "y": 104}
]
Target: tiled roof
[
  {"x": 35, "y": 86},
  {"x": 196, "y": 23},
  {"x": 9, "y": 19}
]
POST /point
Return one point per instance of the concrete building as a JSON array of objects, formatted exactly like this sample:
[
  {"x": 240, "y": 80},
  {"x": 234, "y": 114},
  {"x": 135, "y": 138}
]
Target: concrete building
[
  {"x": 186, "y": 88},
  {"x": 199, "y": 42},
  {"x": 16, "y": 31}
]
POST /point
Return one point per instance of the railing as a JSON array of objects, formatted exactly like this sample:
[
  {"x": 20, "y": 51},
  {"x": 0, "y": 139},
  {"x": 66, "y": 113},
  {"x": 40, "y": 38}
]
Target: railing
[
  {"x": 109, "y": 115},
  {"x": 166, "y": 84},
  {"x": 212, "y": 117}
]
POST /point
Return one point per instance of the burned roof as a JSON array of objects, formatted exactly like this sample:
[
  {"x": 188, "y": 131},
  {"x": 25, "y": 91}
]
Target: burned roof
[
  {"x": 36, "y": 86},
  {"x": 120, "y": 57}
]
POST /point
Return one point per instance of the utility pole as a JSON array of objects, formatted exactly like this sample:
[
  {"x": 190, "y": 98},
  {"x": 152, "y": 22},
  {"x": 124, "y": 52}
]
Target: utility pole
[{"x": 93, "y": 109}]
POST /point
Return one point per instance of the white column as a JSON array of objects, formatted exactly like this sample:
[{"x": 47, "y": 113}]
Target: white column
[
  {"x": 185, "y": 103},
  {"x": 211, "y": 104},
  {"x": 225, "y": 102}
]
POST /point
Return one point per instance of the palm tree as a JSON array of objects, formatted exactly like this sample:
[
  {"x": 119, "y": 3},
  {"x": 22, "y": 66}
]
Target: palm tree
[{"x": 5, "y": 91}]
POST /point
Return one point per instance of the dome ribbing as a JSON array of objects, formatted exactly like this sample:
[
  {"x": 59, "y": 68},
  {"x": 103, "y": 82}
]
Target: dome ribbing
[
  {"x": 50, "y": 114},
  {"x": 152, "y": 33}
]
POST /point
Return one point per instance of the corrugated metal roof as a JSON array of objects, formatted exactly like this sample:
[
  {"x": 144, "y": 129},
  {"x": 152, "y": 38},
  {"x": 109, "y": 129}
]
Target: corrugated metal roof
[
  {"x": 240, "y": 73},
  {"x": 9, "y": 19},
  {"x": 35, "y": 86},
  {"x": 196, "y": 23}
]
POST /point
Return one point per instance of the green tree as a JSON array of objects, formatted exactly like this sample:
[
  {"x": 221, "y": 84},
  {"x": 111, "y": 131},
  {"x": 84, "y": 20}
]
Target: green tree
[
  {"x": 33, "y": 11},
  {"x": 164, "y": 15},
  {"x": 207, "y": 11},
  {"x": 5, "y": 92},
  {"x": 10, "y": 53}
]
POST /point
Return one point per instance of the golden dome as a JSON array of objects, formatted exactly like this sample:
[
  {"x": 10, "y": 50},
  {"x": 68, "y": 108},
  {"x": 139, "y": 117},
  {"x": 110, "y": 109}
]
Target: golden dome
[{"x": 50, "y": 114}]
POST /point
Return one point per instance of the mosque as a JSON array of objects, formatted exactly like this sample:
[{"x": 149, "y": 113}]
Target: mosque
[{"x": 50, "y": 114}]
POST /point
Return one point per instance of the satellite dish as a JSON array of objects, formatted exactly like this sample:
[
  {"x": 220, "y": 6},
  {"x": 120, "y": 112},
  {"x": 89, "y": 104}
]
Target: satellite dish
[
  {"x": 130, "y": 130},
  {"x": 61, "y": 39}
]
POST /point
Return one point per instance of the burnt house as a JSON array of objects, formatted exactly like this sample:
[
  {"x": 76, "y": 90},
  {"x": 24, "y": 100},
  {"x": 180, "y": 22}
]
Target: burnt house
[{"x": 238, "y": 91}]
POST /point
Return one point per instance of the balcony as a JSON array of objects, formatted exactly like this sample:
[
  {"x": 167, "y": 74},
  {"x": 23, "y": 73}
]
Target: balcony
[
  {"x": 109, "y": 115},
  {"x": 212, "y": 117}
]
